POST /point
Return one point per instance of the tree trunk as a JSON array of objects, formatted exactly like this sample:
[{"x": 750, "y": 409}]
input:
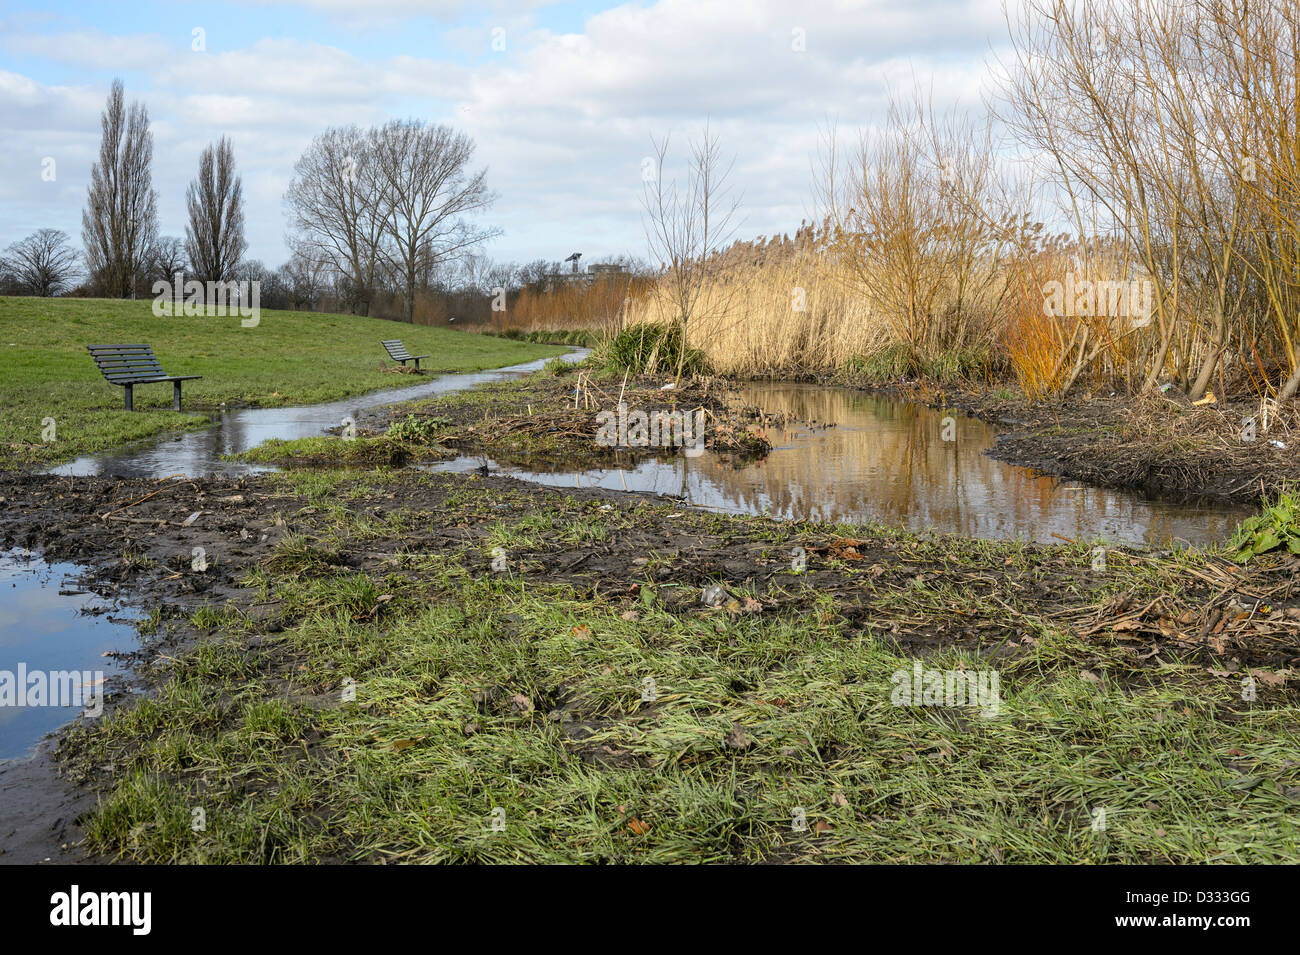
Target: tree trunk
[
  {"x": 1157, "y": 366},
  {"x": 1290, "y": 387},
  {"x": 1211, "y": 360},
  {"x": 410, "y": 294}
]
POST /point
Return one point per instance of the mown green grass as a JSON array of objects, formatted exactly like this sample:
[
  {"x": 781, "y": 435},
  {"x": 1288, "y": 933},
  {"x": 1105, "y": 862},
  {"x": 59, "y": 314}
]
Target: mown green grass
[
  {"x": 470, "y": 690},
  {"x": 290, "y": 358}
]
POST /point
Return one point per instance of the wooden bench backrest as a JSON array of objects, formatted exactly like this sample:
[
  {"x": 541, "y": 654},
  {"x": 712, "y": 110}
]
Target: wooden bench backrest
[{"x": 125, "y": 363}]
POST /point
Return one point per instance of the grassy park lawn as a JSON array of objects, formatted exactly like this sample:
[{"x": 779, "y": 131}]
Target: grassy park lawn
[{"x": 289, "y": 358}]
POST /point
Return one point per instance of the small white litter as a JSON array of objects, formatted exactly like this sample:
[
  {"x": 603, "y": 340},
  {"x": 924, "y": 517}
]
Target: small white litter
[{"x": 715, "y": 595}]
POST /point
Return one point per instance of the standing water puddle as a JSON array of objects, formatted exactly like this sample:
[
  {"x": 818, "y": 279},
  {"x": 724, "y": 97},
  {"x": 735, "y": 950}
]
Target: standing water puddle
[
  {"x": 882, "y": 459},
  {"x": 53, "y": 637},
  {"x": 887, "y": 460}
]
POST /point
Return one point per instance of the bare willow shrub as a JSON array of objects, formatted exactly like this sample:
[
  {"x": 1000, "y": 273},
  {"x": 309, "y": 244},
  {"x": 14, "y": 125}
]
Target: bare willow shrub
[
  {"x": 1253, "y": 48},
  {"x": 1122, "y": 98},
  {"x": 917, "y": 223}
]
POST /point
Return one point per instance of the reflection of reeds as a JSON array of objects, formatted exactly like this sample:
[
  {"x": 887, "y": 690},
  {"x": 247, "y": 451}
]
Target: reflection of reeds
[{"x": 887, "y": 460}]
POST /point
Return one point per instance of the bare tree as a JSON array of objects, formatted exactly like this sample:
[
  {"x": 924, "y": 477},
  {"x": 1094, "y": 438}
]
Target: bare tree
[
  {"x": 915, "y": 216},
  {"x": 214, "y": 236},
  {"x": 334, "y": 209},
  {"x": 305, "y": 274},
  {"x": 533, "y": 274},
  {"x": 428, "y": 190},
  {"x": 474, "y": 271},
  {"x": 42, "y": 264},
  {"x": 1256, "y": 133},
  {"x": 168, "y": 258},
  {"x": 687, "y": 227},
  {"x": 119, "y": 223}
]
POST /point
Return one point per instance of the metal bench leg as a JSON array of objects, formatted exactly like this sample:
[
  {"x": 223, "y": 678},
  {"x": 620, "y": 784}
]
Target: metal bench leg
[
  {"x": 417, "y": 364},
  {"x": 176, "y": 396},
  {"x": 130, "y": 405}
]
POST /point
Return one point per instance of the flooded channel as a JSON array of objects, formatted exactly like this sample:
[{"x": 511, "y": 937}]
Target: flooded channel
[
  {"x": 863, "y": 457},
  {"x": 854, "y": 457},
  {"x": 200, "y": 452}
]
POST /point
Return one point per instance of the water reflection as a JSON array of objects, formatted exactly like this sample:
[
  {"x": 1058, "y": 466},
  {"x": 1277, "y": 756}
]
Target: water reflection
[
  {"x": 48, "y": 624},
  {"x": 887, "y": 460},
  {"x": 196, "y": 453},
  {"x": 884, "y": 459}
]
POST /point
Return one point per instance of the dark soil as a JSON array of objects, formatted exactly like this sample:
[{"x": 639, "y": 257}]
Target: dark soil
[
  {"x": 132, "y": 537},
  {"x": 39, "y": 808}
]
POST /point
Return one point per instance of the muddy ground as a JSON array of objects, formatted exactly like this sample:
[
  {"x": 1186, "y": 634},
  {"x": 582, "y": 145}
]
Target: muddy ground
[
  {"x": 544, "y": 421},
  {"x": 553, "y": 420},
  {"x": 137, "y": 538}
]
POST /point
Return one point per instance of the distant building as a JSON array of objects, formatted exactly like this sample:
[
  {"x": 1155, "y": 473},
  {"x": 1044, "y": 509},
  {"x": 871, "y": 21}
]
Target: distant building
[{"x": 594, "y": 271}]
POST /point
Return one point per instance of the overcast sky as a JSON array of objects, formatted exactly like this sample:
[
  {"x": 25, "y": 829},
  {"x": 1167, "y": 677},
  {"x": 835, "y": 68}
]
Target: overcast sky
[{"x": 562, "y": 116}]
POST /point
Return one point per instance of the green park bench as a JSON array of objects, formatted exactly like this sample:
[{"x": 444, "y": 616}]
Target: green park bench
[
  {"x": 397, "y": 352},
  {"x": 131, "y": 365}
]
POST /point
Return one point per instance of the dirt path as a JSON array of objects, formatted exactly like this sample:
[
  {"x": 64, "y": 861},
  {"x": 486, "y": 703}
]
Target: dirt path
[{"x": 39, "y": 809}]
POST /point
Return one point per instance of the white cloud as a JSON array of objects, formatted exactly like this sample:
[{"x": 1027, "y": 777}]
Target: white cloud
[
  {"x": 375, "y": 14},
  {"x": 562, "y": 119}
]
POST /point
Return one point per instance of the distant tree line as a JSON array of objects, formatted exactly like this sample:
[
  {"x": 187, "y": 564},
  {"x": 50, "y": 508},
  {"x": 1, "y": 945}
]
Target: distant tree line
[{"x": 380, "y": 223}]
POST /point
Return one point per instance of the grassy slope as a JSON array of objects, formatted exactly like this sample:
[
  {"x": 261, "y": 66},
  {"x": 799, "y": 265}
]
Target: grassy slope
[{"x": 290, "y": 358}]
